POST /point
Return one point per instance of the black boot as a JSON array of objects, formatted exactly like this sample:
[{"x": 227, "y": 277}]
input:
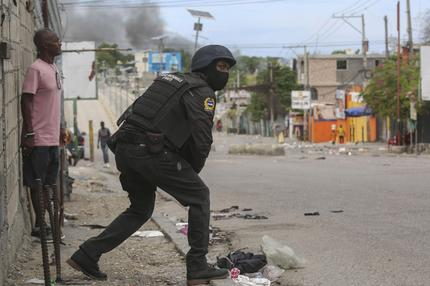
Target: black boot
[
  {"x": 83, "y": 263},
  {"x": 199, "y": 272}
]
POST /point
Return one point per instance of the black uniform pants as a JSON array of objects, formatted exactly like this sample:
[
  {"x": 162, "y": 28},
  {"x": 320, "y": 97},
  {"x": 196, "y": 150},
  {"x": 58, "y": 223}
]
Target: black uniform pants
[{"x": 141, "y": 174}]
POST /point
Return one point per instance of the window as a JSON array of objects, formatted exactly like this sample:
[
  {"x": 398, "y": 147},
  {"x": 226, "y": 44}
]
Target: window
[
  {"x": 377, "y": 63},
  {"x": 341, "y": 65}
]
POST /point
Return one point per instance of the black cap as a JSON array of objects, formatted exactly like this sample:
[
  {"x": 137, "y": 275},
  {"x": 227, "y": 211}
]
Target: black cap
[{"x": 207, "y": 54}]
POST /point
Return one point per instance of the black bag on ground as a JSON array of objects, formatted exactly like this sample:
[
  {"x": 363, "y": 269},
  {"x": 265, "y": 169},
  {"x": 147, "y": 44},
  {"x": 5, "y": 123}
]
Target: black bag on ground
[{"x": 245, "y": 262}]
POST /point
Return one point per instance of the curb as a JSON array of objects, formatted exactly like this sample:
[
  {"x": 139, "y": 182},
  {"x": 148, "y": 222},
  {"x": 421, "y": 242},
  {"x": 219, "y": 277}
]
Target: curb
[{"x": 169, "y": 229}]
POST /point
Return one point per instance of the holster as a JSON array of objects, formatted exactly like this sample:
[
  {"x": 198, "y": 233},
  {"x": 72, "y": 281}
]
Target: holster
[{"x": 155, "y": 142}]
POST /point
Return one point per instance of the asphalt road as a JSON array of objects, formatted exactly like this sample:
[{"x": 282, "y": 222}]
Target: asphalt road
[{"x": 382, "y": 237}]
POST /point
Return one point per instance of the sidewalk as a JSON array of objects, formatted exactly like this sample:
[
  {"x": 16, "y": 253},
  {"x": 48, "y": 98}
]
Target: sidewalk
[{"x": 97, "y": 199}]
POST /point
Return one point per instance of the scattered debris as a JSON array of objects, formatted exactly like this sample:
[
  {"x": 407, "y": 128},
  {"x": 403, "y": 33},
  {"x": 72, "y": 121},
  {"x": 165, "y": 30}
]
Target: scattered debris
[
  {"x": 246, "y": 262},
  {"x": 337, "y": 211},
  {"x": 320, "y": 158},
  {"x": 230, "y": 209},
  {"x": 272, "y": 272},
  {"x": 93, "y": 226},
  {"x": 246, "y": 210},
  {"x": 148, "y": 233},
  {"x": 312, "y": 214},
  {"x": 242, "y": 280},
  {"x": 280, "y": 255},
  {"x": 70, "y": 216},
  {"x": 35, "y": 281}
]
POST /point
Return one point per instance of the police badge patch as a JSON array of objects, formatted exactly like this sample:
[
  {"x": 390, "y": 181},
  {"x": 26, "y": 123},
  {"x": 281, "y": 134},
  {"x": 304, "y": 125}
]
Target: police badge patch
[{"x": 209, "y": 104}]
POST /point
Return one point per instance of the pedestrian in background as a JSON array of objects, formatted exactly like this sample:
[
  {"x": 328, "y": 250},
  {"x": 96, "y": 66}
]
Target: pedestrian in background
[
  {"x": 40, "y": 104},
  {"x": 103, "y": 137},
  {"x": 341, "y": 134},
  {"x": 163, "y": 142}
]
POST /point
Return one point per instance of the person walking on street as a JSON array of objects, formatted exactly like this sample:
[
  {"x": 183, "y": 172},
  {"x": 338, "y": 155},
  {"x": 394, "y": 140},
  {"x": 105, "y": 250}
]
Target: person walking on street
[
  {"x": 163, "y": 141},
  {"x": 103, "y": 137},
  {"x": 341, "y": 134},
  {"x": 41, "y": 133}
]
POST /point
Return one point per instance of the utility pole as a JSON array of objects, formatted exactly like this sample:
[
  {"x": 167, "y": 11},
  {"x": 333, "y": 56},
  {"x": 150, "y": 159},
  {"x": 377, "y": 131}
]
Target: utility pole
[
  {"x": 398, "y": 135},
  {"x": 365, "y": 42},
  {"x": 307, "y": 87},
  {"x": 410, "y": 42},
  {"x": 272, "y": 104},
  {"x": 387, "y": 51}
]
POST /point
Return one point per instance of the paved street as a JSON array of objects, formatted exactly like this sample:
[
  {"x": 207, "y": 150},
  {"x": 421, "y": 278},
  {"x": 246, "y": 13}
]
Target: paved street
[{"x": 381, "y": 238}]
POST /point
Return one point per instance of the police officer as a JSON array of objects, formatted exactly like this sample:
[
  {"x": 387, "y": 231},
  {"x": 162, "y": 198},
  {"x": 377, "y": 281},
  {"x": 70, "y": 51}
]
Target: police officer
[{"x": 164, "y": 140}]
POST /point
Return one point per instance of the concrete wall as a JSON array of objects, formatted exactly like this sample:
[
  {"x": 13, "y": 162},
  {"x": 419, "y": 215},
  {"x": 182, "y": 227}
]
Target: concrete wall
[
  {"x": 326, "y": 78},
  {"x": 17, "y": 29}
]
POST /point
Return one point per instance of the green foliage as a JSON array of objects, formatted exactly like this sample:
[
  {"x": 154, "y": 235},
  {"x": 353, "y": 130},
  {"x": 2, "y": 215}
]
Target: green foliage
[
  {"x": 381, "y": 93},
  {"x": 257, "y": 107},
  {"x": 284, "y": 81},
  {"x": 246, "y": 67},
  {"x": 111, "y": 59},
  {"x": 186, "y": 60}
]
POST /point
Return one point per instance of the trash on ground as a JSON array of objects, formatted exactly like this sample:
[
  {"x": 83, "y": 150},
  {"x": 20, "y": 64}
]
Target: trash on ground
[
  {"x": 337, "y": 211},
  {"x": 280, "y": 255},
  {"x": 234, "y": 273},
  {"x": 71, "y": 216},
  {"x": 35, "y": 281},
  {"x": 230, "y": 209},
  {"x": 93, "y": 226},
  {"x": 218, "y": 236},
  {"x": 246, "y": 210},
  {"x": 246, "y": 262},
  {"x": 184, "y": 230},
  {"x": 148, "y": 233},
  {"x": 312, "y": 214},
  {"x": 242, "y": 280},
  {"x": 320, "y": 158},
  {"x": 221, "y": 216},
  {"x": 272, "y": 272}
]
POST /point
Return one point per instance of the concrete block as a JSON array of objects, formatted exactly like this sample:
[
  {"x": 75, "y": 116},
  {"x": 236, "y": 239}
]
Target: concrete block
[
  {"x": 257, "y": 149},
  {"x": 223, "y": 282},
  {"x": 169, "y": 229},
  {"x": 397, "y": 149}
]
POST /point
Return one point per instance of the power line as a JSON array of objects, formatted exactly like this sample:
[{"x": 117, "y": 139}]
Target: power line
[{"x": 170, "y": 4}]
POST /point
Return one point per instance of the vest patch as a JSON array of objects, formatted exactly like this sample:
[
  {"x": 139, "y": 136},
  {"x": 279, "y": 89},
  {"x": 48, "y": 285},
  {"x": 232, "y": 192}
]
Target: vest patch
[{"x": 209, "y": 104}]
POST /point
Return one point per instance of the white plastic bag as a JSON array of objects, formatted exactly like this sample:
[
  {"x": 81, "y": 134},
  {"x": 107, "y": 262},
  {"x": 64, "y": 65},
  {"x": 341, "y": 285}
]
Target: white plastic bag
[
  {"x": 272, "y": 272},
  {"x": 280, "y": 255},
  {"x": 242, "y": 280}
]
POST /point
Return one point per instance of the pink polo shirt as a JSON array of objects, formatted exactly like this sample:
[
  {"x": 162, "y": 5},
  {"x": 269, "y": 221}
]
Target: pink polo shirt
[{"x": 43, "y": 82}]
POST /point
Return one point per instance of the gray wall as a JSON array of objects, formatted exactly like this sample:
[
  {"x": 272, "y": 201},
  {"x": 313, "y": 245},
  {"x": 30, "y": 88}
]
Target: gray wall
[{"x": 17, "y": 30}]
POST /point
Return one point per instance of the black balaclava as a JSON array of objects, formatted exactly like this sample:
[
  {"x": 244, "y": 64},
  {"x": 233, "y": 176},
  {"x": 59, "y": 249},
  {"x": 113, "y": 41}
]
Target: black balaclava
[{"x": 217, "y": 80}]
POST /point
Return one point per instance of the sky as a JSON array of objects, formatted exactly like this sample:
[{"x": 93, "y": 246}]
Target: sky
[
  {"x": 262, "y": 29},
  {"x": 265, "y": 27}
]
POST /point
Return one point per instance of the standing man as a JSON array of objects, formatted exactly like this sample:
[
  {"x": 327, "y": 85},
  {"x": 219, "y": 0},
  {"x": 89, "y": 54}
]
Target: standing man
[
  {"x": 40, "y": 104},
  {"x": 163, "y": 142},
  {"x": 103, "y": 137}
]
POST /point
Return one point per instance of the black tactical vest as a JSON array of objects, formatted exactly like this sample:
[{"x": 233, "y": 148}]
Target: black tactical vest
[{"x": 158, "y": 109}]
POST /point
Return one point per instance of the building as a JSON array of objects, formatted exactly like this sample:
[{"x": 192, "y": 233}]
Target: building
[
  {"x": 20, "y": 19},
  {"x": 328, "y": 73},
  {"x": 151, "y": 62}
]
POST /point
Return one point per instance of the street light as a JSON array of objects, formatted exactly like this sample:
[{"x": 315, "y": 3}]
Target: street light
[{"x": 198, "y": 27}]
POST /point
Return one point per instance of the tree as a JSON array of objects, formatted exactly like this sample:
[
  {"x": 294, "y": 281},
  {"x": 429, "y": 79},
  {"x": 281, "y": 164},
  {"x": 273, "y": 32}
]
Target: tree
[
  {"x": 284, "y": 81},
  {"x": 111, "y": 59},
  {"x": 381, "y": 93}
]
